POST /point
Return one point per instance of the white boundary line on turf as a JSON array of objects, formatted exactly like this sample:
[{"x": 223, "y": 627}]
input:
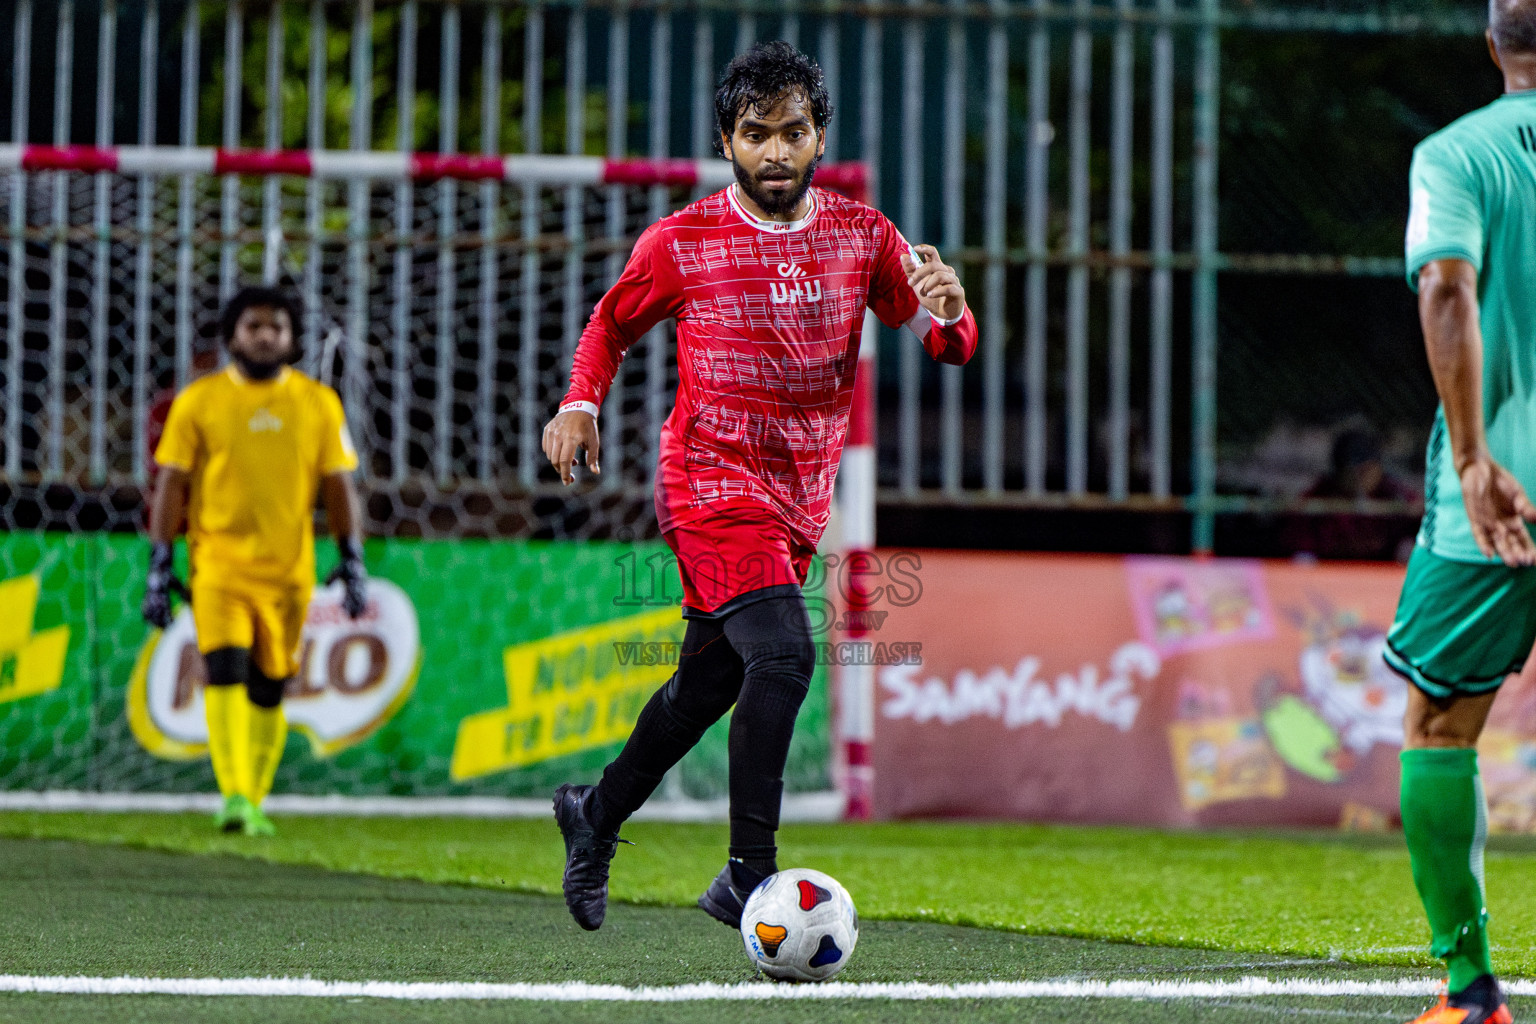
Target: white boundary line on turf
[
  {"x": 798, "y": 807},
  {"x": 576, "y": 991}
]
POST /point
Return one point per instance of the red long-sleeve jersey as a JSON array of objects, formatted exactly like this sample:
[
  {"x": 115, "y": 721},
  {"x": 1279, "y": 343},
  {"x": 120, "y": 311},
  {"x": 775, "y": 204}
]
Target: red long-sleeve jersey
[{"x": 769, "y": 316}]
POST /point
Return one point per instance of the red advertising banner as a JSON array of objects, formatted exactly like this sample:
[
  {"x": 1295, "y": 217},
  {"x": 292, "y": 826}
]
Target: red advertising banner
[{"x": 1158, "y": 691}]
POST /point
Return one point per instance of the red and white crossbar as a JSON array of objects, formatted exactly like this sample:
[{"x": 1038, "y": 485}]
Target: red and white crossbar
[{"x": 849, "y": 178}]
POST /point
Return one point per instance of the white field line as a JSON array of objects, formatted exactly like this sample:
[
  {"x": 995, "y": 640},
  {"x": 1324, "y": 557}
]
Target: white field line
[
  {"x": 577, "y": 991},
  {"x": 798, "y": 807}
]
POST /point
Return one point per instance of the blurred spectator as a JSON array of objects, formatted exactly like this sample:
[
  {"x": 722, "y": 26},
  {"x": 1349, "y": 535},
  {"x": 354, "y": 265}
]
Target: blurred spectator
[
  {"x": 1357, "y": 476},
  {"x": 205, "y": 360}
]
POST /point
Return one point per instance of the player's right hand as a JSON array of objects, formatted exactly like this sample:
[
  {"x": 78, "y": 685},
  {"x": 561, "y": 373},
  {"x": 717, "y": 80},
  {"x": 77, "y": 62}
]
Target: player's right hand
[
  {"x": 564, "y": 435},
  {"x": 159, "y": 586},
  {"x": 1498, "y": 509}
]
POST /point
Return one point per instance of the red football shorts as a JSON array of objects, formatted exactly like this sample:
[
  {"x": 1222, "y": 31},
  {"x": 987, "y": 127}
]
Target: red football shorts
[{"x": 736, "y": 557}]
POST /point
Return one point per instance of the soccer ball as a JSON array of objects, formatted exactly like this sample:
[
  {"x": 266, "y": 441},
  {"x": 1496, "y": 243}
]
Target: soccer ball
[{"x": 799, "y": 925}]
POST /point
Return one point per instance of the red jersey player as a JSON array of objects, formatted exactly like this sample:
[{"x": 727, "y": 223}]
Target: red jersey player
[{"x": 768, "y": 281}]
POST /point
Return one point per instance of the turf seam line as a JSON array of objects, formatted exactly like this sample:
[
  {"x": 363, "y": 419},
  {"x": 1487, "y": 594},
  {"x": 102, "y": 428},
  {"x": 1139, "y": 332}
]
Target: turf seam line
[{"x": 577, "y": 991}]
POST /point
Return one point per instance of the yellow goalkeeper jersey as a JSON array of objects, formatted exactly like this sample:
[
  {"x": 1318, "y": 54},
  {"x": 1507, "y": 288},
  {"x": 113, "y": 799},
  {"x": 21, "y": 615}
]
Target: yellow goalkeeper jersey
[{"x": 255, "y": 451}]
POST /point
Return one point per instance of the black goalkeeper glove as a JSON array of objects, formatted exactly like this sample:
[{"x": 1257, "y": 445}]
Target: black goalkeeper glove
[
  {"x": 352, "y": 575},
  {"x": 159, "y": 586}
]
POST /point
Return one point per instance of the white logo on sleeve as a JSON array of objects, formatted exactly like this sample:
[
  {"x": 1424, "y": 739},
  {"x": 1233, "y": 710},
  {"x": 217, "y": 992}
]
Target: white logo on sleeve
[{"x": 1418, "y": 218}]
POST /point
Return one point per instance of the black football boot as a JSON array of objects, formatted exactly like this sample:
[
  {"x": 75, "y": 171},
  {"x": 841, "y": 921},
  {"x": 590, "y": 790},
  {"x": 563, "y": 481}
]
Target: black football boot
[
  {"x": 586, "y": 857},
  {"x": 727, "y": 894}
]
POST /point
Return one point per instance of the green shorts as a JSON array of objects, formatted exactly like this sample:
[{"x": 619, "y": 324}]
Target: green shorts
[{"x": 1461, "y": 627}]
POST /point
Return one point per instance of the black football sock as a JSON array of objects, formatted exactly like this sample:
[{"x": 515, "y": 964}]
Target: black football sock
[
  {"x": 773, "y": 637},
  {"x": 703, "y": 688},
  {"x": 747, "y": 875},
  {"x": 759, "y": 862}
]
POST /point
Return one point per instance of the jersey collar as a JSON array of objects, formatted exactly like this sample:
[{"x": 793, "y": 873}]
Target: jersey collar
[
  {"x": 776, "y": 227},
  {"x": 234, "y": 374}
]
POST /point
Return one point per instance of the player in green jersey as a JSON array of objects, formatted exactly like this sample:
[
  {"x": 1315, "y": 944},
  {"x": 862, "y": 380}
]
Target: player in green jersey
[{"x": 1467, "y": 616}]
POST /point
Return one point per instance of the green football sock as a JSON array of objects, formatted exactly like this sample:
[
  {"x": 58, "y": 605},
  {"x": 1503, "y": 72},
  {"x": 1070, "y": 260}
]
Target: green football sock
[{"x": 1446, "y": 824}]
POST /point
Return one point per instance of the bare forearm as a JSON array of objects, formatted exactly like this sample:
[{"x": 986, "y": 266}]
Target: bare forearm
[
  {"x": 168, "y": 506},
  {"x": 1453, "y": 341},
  {"x": 343, "y": 512}
]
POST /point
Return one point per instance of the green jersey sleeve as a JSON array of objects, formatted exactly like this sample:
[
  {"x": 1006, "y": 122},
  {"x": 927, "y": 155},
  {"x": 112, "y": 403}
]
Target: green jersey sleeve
[{"x": 1445, "y": 213}]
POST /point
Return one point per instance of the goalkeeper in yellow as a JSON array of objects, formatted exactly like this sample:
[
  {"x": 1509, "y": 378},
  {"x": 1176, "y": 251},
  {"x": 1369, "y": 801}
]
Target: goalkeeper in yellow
[{"x": 243, "y": 454}]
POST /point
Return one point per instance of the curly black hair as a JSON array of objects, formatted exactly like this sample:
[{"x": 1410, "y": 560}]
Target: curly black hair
[
  {"x": 761, "y": 77},
  {"x": 269, "y": 298}
]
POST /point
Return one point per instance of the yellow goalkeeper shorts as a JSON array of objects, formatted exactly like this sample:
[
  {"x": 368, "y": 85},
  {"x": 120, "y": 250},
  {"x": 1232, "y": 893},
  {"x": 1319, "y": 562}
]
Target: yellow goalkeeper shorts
[{"x": 266, "y": 620}]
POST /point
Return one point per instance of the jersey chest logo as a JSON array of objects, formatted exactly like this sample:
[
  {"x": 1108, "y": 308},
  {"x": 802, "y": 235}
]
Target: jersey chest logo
[
  {"x": 785, "y": 294},
  {"x": 796, "y": 294},
  {"x": 264, "y": 422}
]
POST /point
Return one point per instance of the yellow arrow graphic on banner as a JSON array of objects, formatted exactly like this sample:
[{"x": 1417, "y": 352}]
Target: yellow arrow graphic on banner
[
  {"x": 570, "y": 692},
  {"x": 30, "y": 663}
]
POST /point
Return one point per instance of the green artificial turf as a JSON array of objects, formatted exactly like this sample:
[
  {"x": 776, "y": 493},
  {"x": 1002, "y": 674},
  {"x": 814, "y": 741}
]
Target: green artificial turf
[
  {"x": 1322, "y": 895},
  {"x": 230, "y": 1010},
  {"x": 235, "y": 1010},
  {"x": 71, "y": 908},
  {"x": 76, "y": 909}
]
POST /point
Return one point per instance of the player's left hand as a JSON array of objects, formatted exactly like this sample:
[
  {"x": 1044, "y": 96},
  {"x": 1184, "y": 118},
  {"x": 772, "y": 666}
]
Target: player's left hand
[
  {"x": 353, "y": 576},
  {"x": 935, "y": 282}
]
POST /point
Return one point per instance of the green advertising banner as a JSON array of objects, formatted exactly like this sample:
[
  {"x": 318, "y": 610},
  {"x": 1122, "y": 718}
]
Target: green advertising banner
[{"x": 479, "y": 668}]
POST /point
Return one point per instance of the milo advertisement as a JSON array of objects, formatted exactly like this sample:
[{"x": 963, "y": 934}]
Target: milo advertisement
[
  {"x": 477, "y": 668},
  {"x": 354, "y": 675}
]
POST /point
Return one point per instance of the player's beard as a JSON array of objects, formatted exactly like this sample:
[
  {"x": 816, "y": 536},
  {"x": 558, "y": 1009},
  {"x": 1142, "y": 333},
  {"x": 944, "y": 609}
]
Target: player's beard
[
  {"x": 257, "y": 371},
  {"x": 775, "y": 203}
]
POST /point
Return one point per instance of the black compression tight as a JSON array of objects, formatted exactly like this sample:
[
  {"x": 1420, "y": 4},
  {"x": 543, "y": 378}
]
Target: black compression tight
[{"x": 758, "y": 658}]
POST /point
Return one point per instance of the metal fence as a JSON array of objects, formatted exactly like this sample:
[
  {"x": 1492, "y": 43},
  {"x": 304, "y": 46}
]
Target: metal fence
[{"x": 1095, "y": 169}]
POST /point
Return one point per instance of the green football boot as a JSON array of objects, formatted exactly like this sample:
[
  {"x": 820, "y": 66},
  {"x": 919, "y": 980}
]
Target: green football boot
[
  {"x": 257, "y": 823},
  {"x": 232, "y": 816}
]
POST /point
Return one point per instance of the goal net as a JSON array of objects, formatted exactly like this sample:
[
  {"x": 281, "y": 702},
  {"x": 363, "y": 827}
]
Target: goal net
[{"x": 442, "y": 297}]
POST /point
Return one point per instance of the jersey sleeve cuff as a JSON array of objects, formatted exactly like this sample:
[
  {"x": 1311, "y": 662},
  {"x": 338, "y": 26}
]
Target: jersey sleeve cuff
[
  {"x": 941, "y": 322},
  {"x": 921, "y": 322},
  {"x": 1417, "y": 261}
]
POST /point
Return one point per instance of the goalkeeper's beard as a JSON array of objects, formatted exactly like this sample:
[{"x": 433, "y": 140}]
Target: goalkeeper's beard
[
  {"x": 775, "y": 204},
  {"x": 257, "y": 371}
]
